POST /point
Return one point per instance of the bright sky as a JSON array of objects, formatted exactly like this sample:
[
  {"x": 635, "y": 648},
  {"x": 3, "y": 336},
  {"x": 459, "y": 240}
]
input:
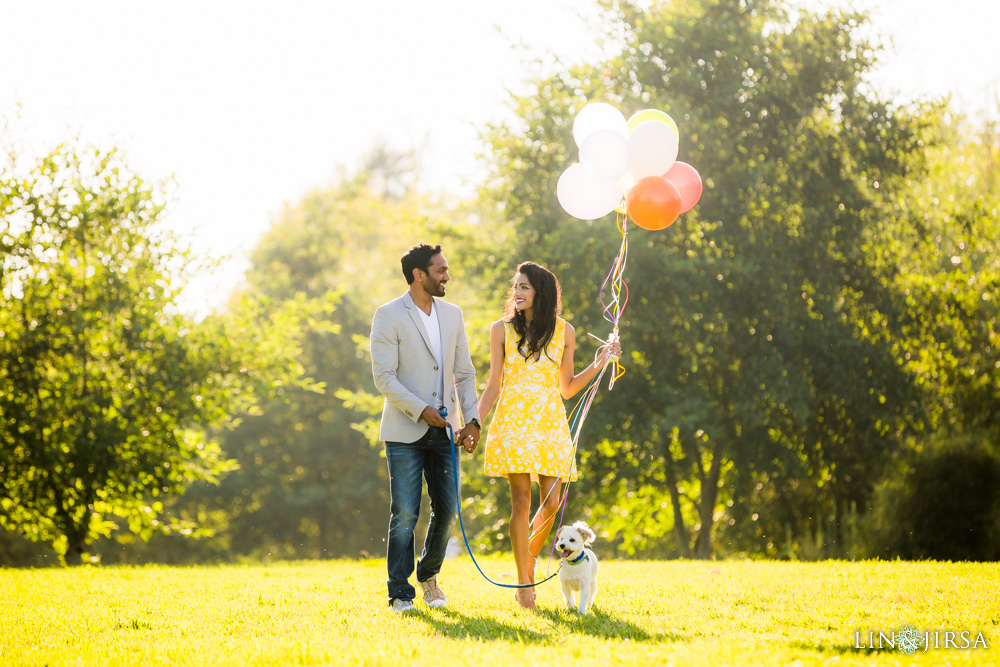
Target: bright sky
[{"x": 252, "y": 104}]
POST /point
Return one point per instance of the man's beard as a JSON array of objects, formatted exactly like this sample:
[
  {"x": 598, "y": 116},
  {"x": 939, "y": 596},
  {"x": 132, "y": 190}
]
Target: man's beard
[{"x": 434, "y": 288}]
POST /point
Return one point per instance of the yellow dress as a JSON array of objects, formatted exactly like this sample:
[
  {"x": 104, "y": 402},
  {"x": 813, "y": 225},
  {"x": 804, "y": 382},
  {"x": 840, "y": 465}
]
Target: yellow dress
[{"x": 529, "y": 432}]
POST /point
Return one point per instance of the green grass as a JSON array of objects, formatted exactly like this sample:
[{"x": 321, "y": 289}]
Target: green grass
[{"x": 681, "y": 613}]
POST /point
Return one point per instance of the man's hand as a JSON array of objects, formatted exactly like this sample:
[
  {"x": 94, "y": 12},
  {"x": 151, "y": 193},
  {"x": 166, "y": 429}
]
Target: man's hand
[
  {"x": 468, "y": 437},
  {"x": 433, "y": 417}
]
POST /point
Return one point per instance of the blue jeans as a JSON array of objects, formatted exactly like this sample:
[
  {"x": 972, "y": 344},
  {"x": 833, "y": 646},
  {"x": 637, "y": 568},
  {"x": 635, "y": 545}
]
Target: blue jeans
[{"x": 430, "y": 457}]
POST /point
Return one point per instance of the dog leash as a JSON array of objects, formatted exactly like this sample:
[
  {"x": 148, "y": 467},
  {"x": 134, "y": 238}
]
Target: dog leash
[
  {"x": 458, "y": 495},
  {"x": 613, "y": 310},
  {"x": 580, "y": 411}
]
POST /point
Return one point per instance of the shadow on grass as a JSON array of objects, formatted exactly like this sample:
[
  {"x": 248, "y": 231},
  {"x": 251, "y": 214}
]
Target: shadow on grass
[
  {"x": 841, "y": 649},
  {"x": 599, "y": 623},
  {"x": 453, "y": 624}
]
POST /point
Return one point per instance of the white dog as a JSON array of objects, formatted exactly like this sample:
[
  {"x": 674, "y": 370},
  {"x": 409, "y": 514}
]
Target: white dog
[{"x": 579, "y": 565}]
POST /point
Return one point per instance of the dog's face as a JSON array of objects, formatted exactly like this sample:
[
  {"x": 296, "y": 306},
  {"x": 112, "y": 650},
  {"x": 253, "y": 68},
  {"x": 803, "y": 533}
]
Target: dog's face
[{"x": 572, "y": 539}]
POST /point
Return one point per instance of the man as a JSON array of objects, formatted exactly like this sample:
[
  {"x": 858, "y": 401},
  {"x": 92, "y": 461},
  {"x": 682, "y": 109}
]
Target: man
[{"x": 421, "y": 363}]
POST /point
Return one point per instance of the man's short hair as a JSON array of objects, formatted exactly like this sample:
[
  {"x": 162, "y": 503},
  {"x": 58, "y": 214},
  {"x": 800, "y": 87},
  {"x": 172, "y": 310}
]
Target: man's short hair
[{"x": 418, "y": 257}]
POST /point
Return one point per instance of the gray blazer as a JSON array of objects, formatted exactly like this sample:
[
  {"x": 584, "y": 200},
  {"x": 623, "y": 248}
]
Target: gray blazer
[{"x": 406, "y": 372}]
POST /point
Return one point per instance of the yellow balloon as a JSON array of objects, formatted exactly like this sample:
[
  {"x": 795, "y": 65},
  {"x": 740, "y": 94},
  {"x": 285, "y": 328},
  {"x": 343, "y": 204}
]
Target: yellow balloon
[{"x": 651, "y": 114}]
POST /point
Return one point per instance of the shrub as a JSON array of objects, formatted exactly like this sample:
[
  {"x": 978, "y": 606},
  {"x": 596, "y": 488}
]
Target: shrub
[{"x": 941, "y": 502}]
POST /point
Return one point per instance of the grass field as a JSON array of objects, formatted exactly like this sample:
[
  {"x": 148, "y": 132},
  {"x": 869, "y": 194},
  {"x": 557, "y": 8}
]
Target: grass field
[{"x": 681, "y": 613}]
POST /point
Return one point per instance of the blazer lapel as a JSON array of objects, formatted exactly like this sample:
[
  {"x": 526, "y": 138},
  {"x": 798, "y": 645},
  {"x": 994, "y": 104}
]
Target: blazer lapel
[
  {"x": 411, "y": 308},
  {"x": 447, "y": 336}
]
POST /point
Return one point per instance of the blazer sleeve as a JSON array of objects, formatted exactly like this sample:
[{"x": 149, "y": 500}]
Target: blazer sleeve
[
  {"x": 465, "y": 374},
  {"x": 385, "y": 364}
]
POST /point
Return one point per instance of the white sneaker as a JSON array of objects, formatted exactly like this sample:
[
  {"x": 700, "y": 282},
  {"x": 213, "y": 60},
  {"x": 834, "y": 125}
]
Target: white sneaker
[
  {"x": 433, "y": 595},
  {"x": 400, "y": 606}
]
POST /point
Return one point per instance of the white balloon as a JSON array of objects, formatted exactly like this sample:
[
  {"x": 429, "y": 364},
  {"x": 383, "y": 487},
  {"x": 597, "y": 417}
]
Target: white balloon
[
  {"x": 585, "y": 197},
  {"x": 598, "y": 116},
  {"x": 654, "y": 149},
  {"x": 606, "y": 155}
]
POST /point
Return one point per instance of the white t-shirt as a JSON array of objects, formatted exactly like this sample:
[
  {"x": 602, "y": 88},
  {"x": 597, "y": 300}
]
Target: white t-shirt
[{"x": 433, "y": 327}]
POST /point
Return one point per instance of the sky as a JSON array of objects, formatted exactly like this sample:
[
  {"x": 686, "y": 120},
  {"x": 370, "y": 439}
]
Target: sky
[{"x": 250, "y": 105}]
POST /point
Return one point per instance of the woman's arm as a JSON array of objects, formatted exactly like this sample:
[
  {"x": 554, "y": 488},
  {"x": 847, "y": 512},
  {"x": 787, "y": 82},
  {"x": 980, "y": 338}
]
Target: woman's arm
[
  {"x": 492, "y": 391},
  {"x": 570, "y": 384}
]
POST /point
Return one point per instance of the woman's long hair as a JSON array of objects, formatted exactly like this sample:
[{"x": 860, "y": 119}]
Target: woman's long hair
[{"x": 533, "y": 338}]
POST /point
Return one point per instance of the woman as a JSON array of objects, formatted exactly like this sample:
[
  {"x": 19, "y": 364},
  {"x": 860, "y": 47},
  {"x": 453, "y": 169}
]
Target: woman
[{"x": 531, "y": 356}]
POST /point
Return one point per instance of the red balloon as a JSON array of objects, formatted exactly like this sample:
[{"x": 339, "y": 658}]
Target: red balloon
[
  {"x": 653, "y": 203},
  {"x": 688, "y": 183}
]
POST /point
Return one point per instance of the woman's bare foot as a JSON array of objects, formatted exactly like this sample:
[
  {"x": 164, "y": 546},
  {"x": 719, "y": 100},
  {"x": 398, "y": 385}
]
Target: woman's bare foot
[{"x": 525, "y": 597}]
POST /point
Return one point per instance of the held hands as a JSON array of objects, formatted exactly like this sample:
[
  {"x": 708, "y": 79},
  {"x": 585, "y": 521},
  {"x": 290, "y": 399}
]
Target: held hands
[{"x": 468, "y": 437}]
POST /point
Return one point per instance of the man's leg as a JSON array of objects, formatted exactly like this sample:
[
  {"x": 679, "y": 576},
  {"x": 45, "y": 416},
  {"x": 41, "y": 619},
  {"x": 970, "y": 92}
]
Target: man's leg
[
  {"x": 405, "y": 462},
  {"x": 439, "y": 471}
]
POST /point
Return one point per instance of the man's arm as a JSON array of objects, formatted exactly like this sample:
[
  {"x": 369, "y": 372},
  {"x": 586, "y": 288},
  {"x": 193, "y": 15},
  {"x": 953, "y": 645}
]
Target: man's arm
[{"x": 385, "y": 364}]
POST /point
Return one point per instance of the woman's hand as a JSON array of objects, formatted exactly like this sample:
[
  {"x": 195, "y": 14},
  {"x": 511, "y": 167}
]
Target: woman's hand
[
  {"x": 468, "y": 437},
  {"x": 612, "y": 350}
]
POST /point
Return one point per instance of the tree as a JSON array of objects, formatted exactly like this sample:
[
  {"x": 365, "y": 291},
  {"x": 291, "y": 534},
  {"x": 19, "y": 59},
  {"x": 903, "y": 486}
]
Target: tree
[
  {"x": 312, "y": 481},
  {"x": 757, "y": 352},
  {"x": 106, "y": 391},
  {"x": 950, "y": 287}
]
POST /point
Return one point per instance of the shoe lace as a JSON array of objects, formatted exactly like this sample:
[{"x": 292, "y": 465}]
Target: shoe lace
[{"x": 433, "y": 588}]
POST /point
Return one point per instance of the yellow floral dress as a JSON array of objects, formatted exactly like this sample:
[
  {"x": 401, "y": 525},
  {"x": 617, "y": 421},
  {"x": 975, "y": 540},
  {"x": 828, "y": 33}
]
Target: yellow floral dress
[{"x": 529, "y": 432}]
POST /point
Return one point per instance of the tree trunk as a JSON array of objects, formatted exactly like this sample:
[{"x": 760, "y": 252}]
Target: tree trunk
[
  {"x": 74, "y": 554},
  {"x": 76, "y": 544},
  {"x": 680, "y": 531},
  {"x": 76, "y": 533},
  {"x": 706, "y": 508}
]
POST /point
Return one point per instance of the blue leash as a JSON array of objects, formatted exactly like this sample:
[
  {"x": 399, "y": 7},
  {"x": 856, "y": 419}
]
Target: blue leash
[{"x": 458, "y": 496}]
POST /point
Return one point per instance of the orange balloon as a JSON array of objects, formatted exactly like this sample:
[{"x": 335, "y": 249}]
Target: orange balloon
[{"x": 653, "y": 203}]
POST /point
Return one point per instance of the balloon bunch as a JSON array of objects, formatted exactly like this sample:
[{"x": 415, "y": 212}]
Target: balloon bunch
[{"x": 629, "y": 166}]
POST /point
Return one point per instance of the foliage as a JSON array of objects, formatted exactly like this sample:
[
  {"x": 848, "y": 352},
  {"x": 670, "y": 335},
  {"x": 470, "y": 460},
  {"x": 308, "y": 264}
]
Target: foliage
[
  {"x": 951, "y": 279},
  {"x": 833, "y": 296},
  {"x": 757, "y": 353},
  {"x": 106, "y": 392},
  {"x": 311, "y": 481},
  {"x": 681, "y": 612},
  {"x": 941, "y": 501}
]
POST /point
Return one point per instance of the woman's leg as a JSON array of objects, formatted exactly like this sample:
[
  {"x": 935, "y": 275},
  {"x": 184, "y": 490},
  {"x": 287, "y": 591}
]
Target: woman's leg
[
  {"x": 549, "y": 491},
  {"x": 520, "y": 515}
]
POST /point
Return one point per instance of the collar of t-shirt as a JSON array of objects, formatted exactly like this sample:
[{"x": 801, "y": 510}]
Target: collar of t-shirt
[{"x": 433, "y": 327}]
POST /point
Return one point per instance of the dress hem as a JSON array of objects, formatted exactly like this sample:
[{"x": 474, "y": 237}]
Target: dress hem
[{"x": 571, "y": 478}]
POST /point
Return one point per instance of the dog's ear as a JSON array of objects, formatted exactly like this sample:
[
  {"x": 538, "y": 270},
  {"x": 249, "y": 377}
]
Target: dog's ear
[{"x": 588, "y": 535}]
